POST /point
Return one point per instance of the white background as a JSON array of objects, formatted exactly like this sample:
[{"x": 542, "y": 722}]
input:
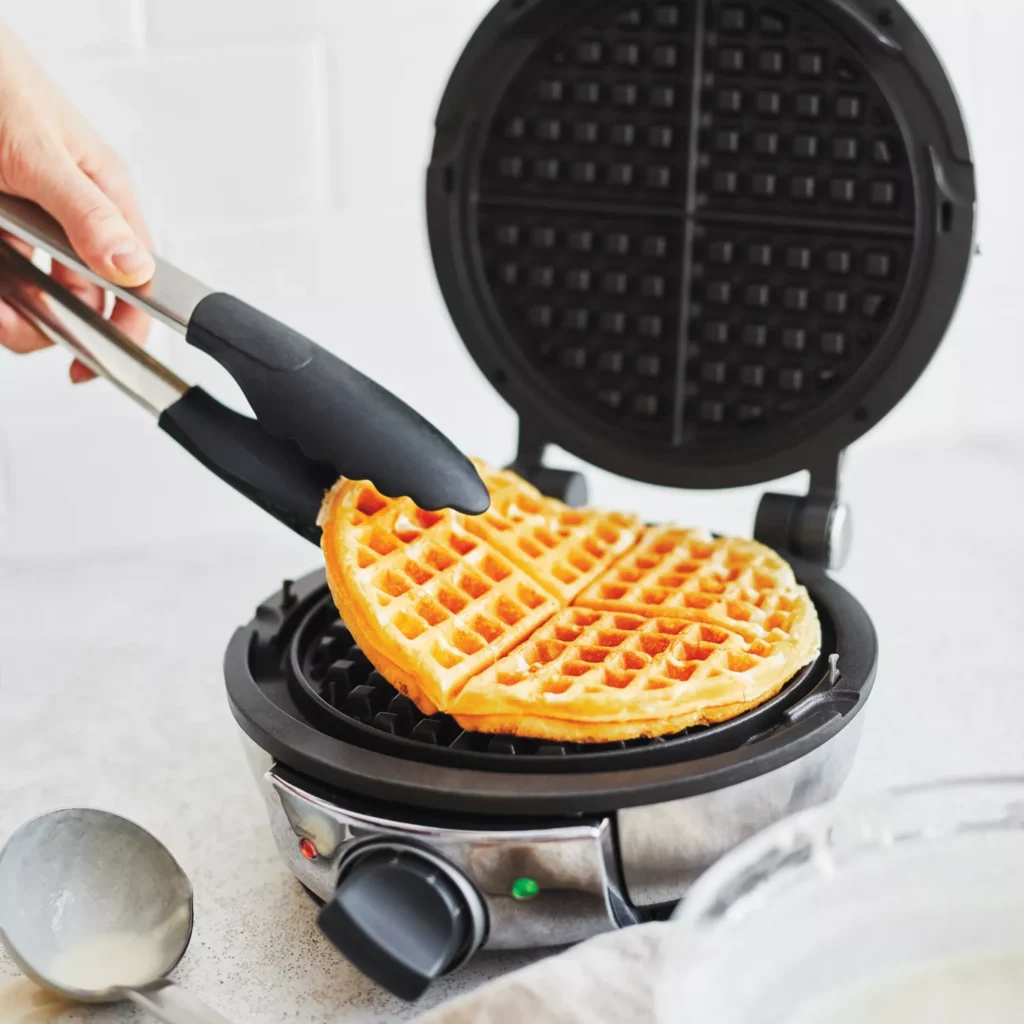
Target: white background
[{"x": 279, "y": 150}]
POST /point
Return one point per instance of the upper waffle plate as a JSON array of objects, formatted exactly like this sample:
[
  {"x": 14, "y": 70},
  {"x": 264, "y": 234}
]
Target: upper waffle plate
[{"x": 696, "y": 241}]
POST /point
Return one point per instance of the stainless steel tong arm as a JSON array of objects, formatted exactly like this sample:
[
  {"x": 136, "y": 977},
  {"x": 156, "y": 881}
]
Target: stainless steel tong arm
[
  {"x": 93, "y": 340},
  {"x": 170, "y": 296}
]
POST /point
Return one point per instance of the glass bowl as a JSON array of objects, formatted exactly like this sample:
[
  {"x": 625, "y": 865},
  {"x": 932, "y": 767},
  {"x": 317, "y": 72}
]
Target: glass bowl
[{"x": 906, "y": 907}]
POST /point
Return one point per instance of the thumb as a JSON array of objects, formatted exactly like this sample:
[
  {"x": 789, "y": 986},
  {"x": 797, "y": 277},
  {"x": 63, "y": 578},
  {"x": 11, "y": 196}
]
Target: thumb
[{"x": 96, "y": 228}]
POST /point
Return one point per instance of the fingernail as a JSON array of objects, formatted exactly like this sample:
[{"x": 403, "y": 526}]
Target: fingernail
[{"x": 131, "y": 259}]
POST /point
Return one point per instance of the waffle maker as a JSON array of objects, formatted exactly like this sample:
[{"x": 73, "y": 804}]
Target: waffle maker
[{"x": 697, "y": 243}]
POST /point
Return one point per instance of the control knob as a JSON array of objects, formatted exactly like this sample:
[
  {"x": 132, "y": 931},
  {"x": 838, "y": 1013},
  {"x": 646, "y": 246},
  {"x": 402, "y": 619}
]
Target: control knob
[{"x": 403, "y": 916}]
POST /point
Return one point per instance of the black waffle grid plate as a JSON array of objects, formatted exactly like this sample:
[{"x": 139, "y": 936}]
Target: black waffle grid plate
[
  {"x": 335, "y": 685},
  {"x": 698, "y": 230}
]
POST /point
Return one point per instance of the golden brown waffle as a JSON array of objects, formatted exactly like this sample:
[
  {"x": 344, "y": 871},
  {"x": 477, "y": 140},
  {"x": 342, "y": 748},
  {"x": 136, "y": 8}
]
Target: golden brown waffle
[
  {"x": 563, "y": 549},
  {"x": 598, "y": 676},
  {"x": 688, "y": 574},
  {"x": 430, "y": 604},
  {"x": 681, "y": 629}
]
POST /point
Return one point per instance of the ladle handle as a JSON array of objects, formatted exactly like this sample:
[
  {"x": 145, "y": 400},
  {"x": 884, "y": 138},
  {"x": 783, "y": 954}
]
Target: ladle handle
[{"x": 173, "y": 1005}]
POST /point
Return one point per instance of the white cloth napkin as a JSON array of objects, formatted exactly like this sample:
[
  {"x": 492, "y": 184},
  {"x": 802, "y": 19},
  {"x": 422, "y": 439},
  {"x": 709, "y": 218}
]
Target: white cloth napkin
[{"x": 608, "y": 980}]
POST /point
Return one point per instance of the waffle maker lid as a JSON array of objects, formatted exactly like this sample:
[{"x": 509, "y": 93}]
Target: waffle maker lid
[{"x": 700, "y": 243}]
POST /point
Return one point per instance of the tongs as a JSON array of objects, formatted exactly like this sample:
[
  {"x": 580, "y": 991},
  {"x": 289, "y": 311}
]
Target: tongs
[{"x": 316, "y": 418}]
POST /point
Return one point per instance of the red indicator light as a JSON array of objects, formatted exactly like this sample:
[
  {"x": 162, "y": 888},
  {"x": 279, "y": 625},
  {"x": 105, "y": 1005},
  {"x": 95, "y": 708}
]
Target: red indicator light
[{"x": 308, "y": 850}]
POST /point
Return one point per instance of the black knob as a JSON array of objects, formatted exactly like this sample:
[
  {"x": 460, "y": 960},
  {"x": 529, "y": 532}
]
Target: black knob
[
  {"x": 814, "y": 528},
  {"x": 562, "y": 484},
  {"x": 401, "y": 918}
]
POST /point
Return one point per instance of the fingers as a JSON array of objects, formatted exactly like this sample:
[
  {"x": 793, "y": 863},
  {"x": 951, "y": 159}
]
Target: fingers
[
  {"x": 131, "y": 320},
  {"x": 15, "y": 242},
  {"x": 15, "y": 333},
  {"x": 109, "y": 174},
  {"x": 20, "y": 337},
  {"x": 93, "y": 201},
  {"x": 91, "y": 294},
  {"x": 99, "y": 232},
  {"x": 80, "y": 373}
]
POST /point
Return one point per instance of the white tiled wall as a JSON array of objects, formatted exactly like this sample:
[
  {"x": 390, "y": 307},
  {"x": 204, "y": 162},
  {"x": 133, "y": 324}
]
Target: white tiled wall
[{"x": 279, "y": 148}]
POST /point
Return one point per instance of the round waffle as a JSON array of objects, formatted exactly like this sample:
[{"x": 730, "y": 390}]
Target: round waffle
[{"x": 574, "y": 625}]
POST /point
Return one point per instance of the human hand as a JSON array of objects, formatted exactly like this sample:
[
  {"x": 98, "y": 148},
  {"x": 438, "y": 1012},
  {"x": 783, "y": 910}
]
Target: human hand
[{"x": 49, "y": 155}]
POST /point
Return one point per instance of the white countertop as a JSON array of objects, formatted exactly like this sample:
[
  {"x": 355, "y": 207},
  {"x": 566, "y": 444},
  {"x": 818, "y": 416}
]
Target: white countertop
[{"x": 111, "y": 695}]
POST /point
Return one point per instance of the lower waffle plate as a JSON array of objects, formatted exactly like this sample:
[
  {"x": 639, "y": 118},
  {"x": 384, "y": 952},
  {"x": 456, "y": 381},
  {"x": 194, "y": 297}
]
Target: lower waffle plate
[{"x": 302, "y": 694}]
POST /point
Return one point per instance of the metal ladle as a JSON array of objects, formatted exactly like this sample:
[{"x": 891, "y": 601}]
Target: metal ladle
[{"x": 96, "y": 909}]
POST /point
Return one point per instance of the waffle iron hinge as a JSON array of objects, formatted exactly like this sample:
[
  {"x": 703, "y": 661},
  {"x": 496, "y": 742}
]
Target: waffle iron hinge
[
  {"x": 562, "y": 484},
  {"x": 817, "y": 526}
]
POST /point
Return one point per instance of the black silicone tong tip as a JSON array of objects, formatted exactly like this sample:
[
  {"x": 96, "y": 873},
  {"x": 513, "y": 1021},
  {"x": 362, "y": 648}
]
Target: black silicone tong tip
[{"x": 336, "y": 415}]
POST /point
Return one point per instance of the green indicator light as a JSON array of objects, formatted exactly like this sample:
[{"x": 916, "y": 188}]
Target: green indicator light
[{"x": 524, "y": 889}]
